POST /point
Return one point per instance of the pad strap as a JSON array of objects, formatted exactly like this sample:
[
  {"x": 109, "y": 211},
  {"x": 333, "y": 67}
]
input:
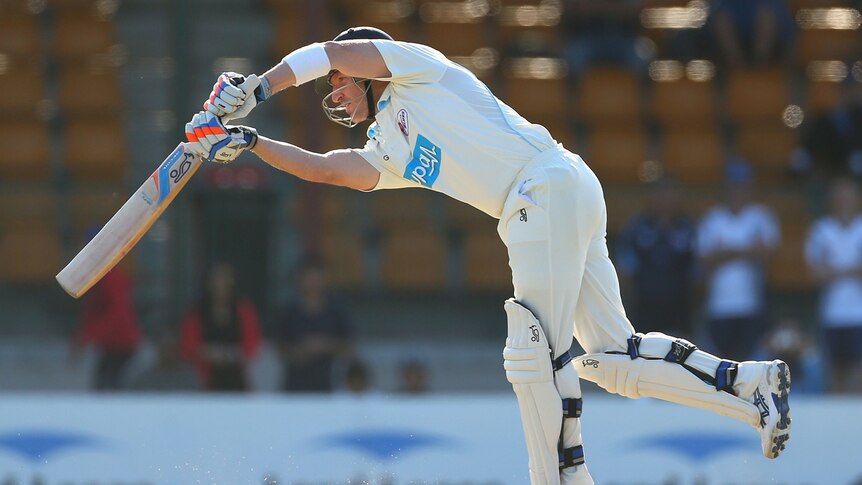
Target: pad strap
[
  {"x": 725, "y": 376},
  {"x": 573, "y": 456},
  {"x": 572, "y": 407},
  {"x": 562, "y": 360},
  {"x": 679, "y": 351},
  {"x": 633, "y": 343}
]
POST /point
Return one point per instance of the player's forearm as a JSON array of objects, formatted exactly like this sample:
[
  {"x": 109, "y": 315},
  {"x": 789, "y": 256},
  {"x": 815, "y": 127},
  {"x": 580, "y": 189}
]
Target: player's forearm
[
  {"x": 307, "y": 165},
  {"x": 291, "y": 159},
  {"x": 280, "y": 77}
]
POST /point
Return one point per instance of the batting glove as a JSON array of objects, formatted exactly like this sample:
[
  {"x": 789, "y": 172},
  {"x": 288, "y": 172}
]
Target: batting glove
[
  {"x": 234, "y": 96},
  {"x": 214, "y": 141}
]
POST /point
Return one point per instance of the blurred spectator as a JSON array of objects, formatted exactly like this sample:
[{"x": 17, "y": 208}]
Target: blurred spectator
[
  {"x": 312, "y": 333},
  {"x": 831, "y": 143},
  {"x": 109, "y": 323},
  {"x": 603, "y": 32},
  {"x": 734, "y": 242},
  {"x": 170, "y": 372},
  {"x": 357, "y": 377},
  {"x": 655, "y": 258},
  {"x": 834, "y": 253},
  {"x": 751, "y": 32},
  {"x": 788, "y": 341},
  {"x": 414, "y": 377},
  {"x": 221, "y": 334}
]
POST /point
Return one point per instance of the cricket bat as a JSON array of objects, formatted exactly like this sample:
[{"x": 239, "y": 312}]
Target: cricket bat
[{"x": 120, "y": 234}]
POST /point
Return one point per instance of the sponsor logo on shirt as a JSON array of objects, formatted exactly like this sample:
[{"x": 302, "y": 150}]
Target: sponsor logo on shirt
[
  {"x": 402, "y": 122},
  {"x": 424, "y": 168}
]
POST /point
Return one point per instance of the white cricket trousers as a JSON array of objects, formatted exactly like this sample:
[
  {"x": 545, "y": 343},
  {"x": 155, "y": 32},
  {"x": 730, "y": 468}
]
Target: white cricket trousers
[{"x": 554, "y": 224}]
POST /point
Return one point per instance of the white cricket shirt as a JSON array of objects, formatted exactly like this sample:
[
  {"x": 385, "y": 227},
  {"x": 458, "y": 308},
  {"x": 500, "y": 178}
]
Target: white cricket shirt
[
  {"x": 833, "y": 245},
  {"x": 736, "y": 287},
  {"x": 441, "y": 128}
]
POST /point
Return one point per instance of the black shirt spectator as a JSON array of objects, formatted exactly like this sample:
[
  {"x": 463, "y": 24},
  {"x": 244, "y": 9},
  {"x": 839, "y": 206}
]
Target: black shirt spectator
[
  {"x": 312, "y": 334},
  {"x": 655, "y": 256}
]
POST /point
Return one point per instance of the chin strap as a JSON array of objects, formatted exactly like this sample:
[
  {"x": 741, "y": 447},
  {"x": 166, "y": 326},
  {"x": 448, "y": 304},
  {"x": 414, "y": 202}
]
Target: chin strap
[{"x": 369, "y": 96}]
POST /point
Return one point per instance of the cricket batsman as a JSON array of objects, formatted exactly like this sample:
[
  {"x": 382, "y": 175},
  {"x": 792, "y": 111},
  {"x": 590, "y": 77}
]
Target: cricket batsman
[{"x": 436, "y": 126}]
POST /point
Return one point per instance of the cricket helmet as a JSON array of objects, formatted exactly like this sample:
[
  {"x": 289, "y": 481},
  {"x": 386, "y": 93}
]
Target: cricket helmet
[{"x": 323, "y": 87}]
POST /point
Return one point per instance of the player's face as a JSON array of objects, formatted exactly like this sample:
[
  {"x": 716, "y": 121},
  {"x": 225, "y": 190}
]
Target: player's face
[{"x": 349, "y": 95}]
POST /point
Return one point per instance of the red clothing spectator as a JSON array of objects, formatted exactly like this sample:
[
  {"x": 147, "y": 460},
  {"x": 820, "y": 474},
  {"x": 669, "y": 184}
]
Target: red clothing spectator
[
  {"x": 222, "y": 334},
  {"x": 110, "y": 324}
]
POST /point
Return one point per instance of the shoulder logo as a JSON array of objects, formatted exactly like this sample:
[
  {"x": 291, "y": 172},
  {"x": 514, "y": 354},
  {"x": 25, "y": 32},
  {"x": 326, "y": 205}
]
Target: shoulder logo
[{"x": 402, "y": 122}]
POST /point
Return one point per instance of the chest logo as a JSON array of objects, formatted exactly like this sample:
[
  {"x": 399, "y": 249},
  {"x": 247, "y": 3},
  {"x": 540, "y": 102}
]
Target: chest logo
[
  {"x": 424, "y": 168},
  {"x": 402, "y": 122}
]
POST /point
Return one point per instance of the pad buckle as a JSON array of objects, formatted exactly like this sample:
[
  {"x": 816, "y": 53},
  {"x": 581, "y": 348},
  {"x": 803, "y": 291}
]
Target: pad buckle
[
  {"x": 634, "y": 343},
  {"x": 562, "y": 360},
  {"x": 725, "y": 376},
  {"x": 680, "y": 349},
  {"x": 573, "y": 456},
  {"x": 572, "y": 407}
]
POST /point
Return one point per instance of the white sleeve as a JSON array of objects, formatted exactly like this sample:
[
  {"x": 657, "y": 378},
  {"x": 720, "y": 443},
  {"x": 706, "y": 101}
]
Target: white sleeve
[
  {"x": 411, "y": 63},
  {"x": 388, "y": 178}
]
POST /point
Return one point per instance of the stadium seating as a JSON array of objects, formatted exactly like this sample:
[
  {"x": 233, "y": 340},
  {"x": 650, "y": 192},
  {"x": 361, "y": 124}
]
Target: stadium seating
[
  {"x": 29, "y": 157},
  {"x": 608, "y": 94},
  {"x": 617, "y": 152},
  {"x": 29, "y": 254},
  {"x": 757, "y": 94},
  {"x": 28, "y": 86},
  {"x": 486, "y": 262},
  {"x": 455, "y": 39},
  {"x": 768, "y": 146},
  {"x": 413, "y": 259},
  {"x": 536, "y": 88},
  {"x": 693, "y": 154},
  {"x": 89, "y": 92},
  {"x": 20, "y": 36},
  {"x": 343, "y": 250},
  {"x": 95, "y": 150},
  {"x": 393, "y": 16},
  {"x": 462, "y": 217},
  {"x": 529, "y": 24},
  {"x": 683, "y": 101},
  {"x": 829, "y": 44},
  {"x": 416, "y": 208},
  {"x": 92, "y": 205},
  {"x": 29, "y": 246},
  {"x": 821, "y": 95},
  {"x": 81, "y": 38}
]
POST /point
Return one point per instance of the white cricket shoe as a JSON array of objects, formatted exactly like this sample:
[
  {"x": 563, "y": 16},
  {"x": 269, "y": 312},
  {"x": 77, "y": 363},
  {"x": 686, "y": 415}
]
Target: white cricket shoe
[{"x": 771, "y": 399}]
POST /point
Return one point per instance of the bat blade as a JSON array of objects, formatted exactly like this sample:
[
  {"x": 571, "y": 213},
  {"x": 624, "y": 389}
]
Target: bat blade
[{"x": 120, "y": 234}]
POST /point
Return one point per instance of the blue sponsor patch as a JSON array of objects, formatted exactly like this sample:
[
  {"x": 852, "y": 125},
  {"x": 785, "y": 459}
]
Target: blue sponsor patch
[{"x": 424, "y": 168}]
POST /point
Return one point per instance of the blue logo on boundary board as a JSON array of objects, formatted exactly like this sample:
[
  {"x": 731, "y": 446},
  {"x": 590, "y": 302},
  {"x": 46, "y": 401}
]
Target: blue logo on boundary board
[{"x": 424, "y": 168}]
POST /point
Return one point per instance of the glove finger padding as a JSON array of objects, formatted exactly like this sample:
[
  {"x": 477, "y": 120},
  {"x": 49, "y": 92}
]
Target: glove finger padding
[
  {"x": 225, "y": 96},
  {"x": 248, "y": 101},
  {"x": 194, "y": 145}
]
